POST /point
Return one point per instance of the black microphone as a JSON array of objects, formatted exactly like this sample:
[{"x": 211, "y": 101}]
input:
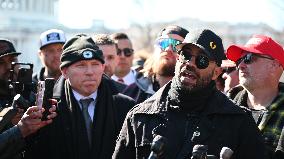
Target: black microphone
[
  {"x": 200, "y": 152},
  {"x": 157, "y": 147},
  {"x": 226, "y": 153}
]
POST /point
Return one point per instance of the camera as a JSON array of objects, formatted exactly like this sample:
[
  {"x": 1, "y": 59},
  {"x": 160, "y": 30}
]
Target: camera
[
  {"x": 21, "y": 93},
  {"x": 20, "y": 81}
]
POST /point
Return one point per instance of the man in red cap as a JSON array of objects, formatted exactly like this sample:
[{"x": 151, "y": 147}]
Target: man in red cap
[{"x": 260, "y": 63}]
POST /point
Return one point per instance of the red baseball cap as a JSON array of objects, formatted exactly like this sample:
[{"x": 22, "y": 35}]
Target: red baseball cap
[{"x": 258, "y": 44}]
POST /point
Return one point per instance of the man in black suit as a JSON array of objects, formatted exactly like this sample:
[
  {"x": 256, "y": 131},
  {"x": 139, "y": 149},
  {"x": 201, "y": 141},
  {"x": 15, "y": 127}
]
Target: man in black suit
[{"x": 90, "y": 110}]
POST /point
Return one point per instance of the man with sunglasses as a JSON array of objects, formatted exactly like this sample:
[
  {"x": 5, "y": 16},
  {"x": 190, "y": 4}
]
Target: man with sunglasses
[
  {"x": 123, "y": 72},
  {"x": 190, "y": 111},
  {"x": 260, "y": 63},
  {"x": 230, "y": 75},
  {"x": 160, "y": 67}
]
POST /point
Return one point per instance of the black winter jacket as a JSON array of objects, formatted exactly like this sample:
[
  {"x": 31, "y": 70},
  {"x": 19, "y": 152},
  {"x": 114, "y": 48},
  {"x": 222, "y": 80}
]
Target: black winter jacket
[{"x": 221, "y": 124}]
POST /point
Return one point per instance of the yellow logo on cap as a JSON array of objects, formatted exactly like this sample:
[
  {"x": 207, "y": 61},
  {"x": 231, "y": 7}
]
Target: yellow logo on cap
[{"x": 213, "y": 45}]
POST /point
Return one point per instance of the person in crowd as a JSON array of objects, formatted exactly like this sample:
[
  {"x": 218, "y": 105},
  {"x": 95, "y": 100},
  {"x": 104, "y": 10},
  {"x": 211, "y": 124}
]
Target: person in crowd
[
  {"x": 230, "y": 75},
  {"x": 158, "y": 69},
  {"x": 109, "y": 49},
  {"x": 51, "y": 43},
  {"x": 190, "y": 111},
  {"x": 260, "y": 64},
  {"x": 12, "y": 141},
  {"x": 8, "y": 54},
  {"x": 123, "y": 72},
  {"x": 90, "y": 110}
]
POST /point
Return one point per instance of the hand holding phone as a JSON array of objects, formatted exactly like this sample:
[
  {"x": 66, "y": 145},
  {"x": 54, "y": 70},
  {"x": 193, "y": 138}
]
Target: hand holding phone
[{"x": 44, "y": 94}]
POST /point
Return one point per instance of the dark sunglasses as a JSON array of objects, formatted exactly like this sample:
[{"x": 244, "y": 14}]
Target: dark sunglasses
[
  {"x": 249, "y": 58},
  {"x": 229, "y": 70},
  {"x": 201, "y": 61},
  {"x": 127, "y": 52},
  {"x": 166, "y": 42}
]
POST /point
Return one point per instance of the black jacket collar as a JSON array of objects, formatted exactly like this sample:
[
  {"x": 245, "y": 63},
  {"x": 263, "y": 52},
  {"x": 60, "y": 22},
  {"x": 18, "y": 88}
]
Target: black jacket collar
[{"x": 217, "y": 104}]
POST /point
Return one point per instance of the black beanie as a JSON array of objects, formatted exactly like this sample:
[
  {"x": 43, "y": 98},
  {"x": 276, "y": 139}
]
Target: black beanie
[{"x": 80, "y": 47}]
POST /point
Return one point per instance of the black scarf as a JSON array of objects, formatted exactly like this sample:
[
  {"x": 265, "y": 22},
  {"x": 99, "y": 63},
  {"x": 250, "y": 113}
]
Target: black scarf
[
  {"x": 190, "y": 101},
  {"x": 105, "y": 126}
]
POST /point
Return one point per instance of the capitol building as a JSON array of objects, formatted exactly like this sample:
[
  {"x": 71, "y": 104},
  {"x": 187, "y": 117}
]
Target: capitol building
[{"x": 22, "y": 21}]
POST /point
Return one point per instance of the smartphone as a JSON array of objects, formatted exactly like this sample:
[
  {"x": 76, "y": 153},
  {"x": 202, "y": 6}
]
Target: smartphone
[
  {"x": 44, "y": 94},
  {"x": 40, "y": 93}
]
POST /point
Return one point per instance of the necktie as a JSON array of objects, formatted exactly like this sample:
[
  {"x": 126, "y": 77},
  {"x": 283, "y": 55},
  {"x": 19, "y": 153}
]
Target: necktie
[
  {"x": 88, "y": 122},
  {"x": 120, "y": 80}
]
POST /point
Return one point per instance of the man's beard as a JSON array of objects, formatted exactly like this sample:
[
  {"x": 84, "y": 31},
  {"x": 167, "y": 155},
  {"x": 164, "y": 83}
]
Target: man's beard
[
  {"x": 201, "y": 83},
  {"x": 247, "y": 83},
  {"x": 166, "y": 69}
]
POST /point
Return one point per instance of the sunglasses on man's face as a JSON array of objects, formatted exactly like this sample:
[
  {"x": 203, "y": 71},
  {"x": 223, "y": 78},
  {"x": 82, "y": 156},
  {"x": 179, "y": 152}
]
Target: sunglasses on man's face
[
  {"x": 250, "y": 58},
  {"x": 201, "y": 61},
  {"x": 229, "y": 70},
  {"x": 127, "y": 52},
  {"x": 167, "y": 42}
]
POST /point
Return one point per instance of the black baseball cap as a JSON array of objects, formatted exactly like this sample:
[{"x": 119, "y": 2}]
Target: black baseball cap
[
  {"x": 208, "y": 41},
  {"x": 173, "y": 29}
]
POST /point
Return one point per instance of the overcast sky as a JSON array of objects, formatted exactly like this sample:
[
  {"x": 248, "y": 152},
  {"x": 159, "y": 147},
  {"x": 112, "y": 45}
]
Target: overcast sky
[{"x": 120, "y": 13}]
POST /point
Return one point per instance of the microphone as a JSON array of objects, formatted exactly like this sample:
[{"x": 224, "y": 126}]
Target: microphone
[
  {"x": 226, "y": 153},
  {"x": 157, "y": 147},
  {"x": 200, "y": 152}
]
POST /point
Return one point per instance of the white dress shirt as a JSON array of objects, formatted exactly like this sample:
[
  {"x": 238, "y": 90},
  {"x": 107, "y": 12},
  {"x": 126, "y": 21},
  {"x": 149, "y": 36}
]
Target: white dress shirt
[
  {"x": 128, "y": 79},
  {"x": 91, "y": 108}
]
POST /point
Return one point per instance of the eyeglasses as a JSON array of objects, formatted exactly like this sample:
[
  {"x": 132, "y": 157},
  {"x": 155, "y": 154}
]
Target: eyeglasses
[
  {"x": 127, "y": 52},
  {"x": 166, "y": 42},
  {"x": 201, "y": 61},
  {"x": 229, "y": 70},
  {"x": 248, "y": 58}
]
